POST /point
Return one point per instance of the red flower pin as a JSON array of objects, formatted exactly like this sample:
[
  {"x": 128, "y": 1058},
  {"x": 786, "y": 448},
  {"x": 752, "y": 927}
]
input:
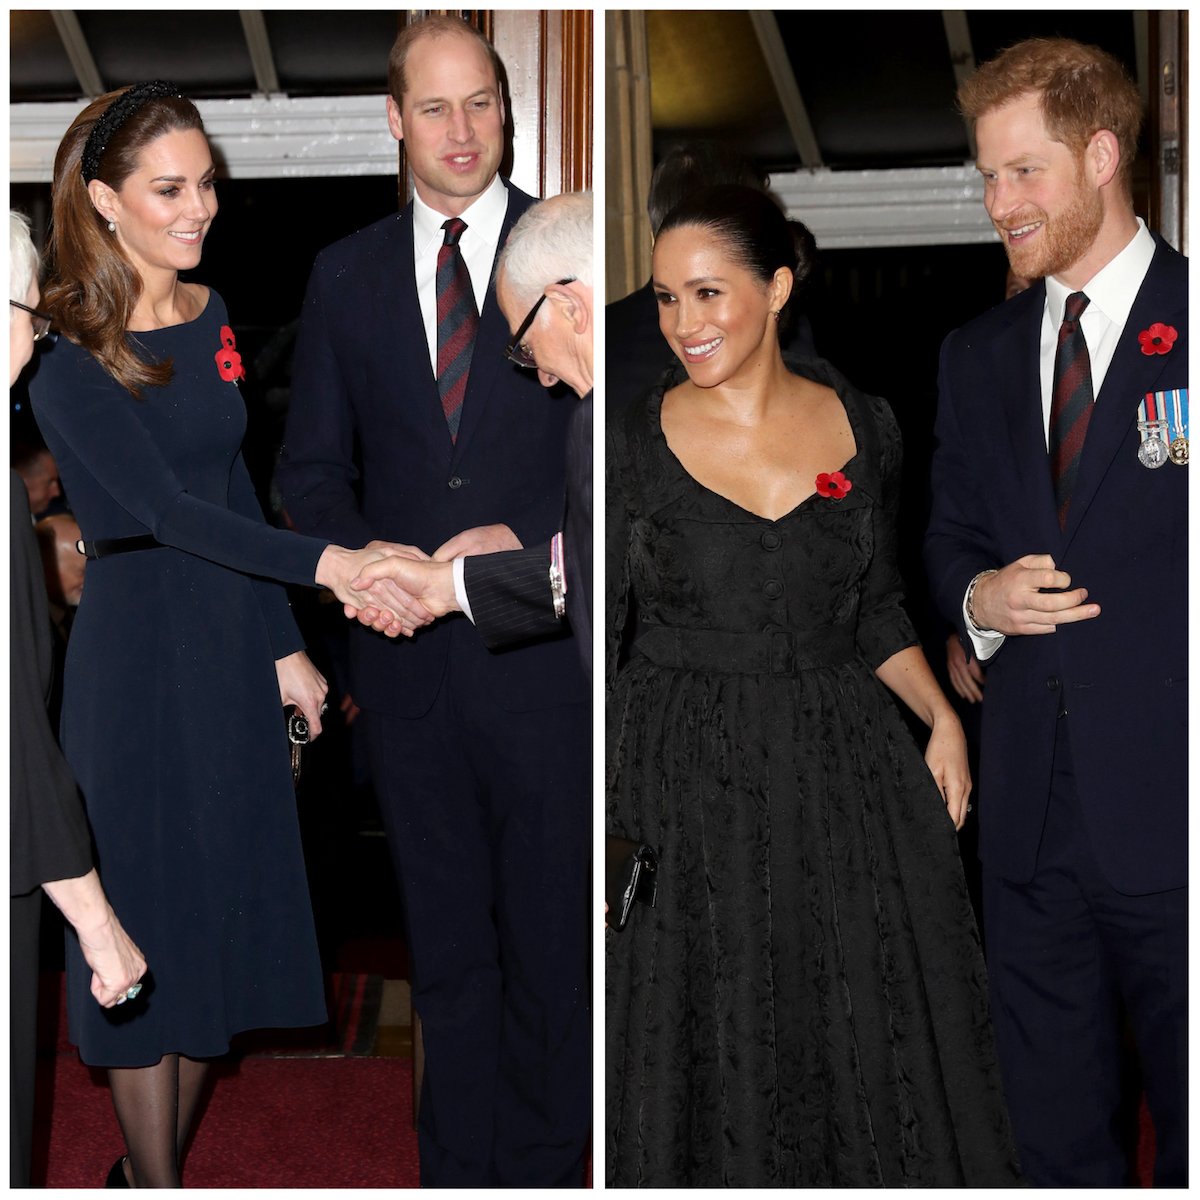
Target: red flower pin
[
  {"x": 1158, "y": 339},
  {"x": 834, "y": 486},
  {"x": 229, "y": 361}
]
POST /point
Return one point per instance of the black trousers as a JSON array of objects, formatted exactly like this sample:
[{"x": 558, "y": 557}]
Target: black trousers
[
  {"x": 488, "y": 815},
  {"x": 1066, "y": 955},
  {"x": 25, "y": 914}
]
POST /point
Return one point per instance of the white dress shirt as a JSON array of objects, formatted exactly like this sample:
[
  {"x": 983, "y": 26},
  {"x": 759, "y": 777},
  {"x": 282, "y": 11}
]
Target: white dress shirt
[
  {"x": 1111, "y": 293},
  {"x": 484, "y": 218}
]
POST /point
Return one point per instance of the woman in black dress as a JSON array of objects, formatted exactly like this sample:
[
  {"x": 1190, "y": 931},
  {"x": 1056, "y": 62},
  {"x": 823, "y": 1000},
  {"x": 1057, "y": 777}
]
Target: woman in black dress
[
  {"x": 183, "y": 647},
  {"x": 805, "y": 1005}
]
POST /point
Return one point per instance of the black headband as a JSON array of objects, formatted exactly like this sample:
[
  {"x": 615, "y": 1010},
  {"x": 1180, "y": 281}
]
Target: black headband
[{"x": 114, "y": 116}]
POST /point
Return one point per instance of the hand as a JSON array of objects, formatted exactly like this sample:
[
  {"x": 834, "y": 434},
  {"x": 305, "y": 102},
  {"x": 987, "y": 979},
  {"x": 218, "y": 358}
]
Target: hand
[
  {"x": 946, "y": 758},
  {"x": 337, "y": 567},
  {"x": 966, "y": 675},
  {"x": 483, "y": 539},
  {"x": 301, "y": 684},
  {"x": 349, "y": 709},
  {"x": 1012, "y": 602},
  {"x": 116, "y": 962},
  {"x": 431, "y": 583}
]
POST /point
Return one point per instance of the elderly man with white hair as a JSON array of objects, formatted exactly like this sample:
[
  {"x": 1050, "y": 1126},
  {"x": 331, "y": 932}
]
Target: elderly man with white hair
[{"x": 544, "y": 285}]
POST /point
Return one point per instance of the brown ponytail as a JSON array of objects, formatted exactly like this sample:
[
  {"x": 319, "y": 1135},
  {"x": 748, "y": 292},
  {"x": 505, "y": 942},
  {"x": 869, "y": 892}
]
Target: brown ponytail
[{"x": 93, "y": 288}]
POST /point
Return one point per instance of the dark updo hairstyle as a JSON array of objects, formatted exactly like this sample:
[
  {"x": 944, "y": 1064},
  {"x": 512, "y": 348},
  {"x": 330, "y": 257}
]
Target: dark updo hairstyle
[
  {"x": 753, "y": 228},
  {"x": 93, "y": 288}
]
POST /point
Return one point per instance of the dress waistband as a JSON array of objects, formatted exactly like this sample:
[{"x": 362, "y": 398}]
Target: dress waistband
[{"x": 785, "y": 652}]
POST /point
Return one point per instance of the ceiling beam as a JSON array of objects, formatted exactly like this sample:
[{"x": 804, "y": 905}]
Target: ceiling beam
[
  {"x": 962, "y": 56},
  {"x": 78, "y": 51},
  {"x": 254, "y": 27},
  {"x": 770, "y": 42}
]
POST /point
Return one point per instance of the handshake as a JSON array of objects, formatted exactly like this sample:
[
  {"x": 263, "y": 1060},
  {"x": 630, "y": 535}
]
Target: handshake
[{"x": 397, "y": 589}]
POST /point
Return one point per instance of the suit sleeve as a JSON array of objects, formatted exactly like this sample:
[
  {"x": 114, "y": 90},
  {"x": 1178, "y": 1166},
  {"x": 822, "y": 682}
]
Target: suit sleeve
[
  {"x": 884, "y": 628},
  {"x": 958, "y": 544},
  {"x": 317, "y": 472},
  {"x": 510, "y": 594},
  {"x": 95, "y": 418},
  {"x": 49, "y": 836},
  {"x": 272, "y": 597}
]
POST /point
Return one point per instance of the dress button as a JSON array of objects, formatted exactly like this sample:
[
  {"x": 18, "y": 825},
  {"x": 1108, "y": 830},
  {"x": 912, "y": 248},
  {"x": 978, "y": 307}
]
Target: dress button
[
  {"x": 772, "y": 589},
  {"x": 1053, "y": 683},
  {"x": 455, "y": 482},
  {"x": 771, "y": 540}
]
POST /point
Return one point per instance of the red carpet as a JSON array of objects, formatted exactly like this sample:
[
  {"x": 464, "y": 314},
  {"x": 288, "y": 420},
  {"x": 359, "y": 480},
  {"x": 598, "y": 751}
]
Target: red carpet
[{"x": 270, "y": 1122}]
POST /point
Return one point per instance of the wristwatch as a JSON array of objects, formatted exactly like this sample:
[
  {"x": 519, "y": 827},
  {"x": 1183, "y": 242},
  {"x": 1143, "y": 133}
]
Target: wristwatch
[{"x": 971, "y": 596}]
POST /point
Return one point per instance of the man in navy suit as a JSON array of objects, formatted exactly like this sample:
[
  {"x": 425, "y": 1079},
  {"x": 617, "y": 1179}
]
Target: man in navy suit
[
  {"x": 1062, "y": 559},
  {"x": 471, "y": 752},
  {"x": 544, "y": 285}
]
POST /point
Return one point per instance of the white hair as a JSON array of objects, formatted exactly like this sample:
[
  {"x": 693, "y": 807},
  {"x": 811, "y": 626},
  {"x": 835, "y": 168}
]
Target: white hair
[
  {"x": 551, "y": 241},
  {"x": 23, "y": 257}
]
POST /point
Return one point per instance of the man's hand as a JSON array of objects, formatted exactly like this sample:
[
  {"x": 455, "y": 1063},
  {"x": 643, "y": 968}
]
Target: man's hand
[
  {"x": 1012, "y": 601},
  {"x": 483, "y": 539},
  {"x": 966, "y": 675},
  {"x": 430, "y": 584}
]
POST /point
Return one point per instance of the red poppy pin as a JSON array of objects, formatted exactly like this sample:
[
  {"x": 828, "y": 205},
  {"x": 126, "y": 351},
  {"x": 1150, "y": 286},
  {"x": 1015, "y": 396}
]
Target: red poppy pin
[
  {"x": 229, "y": 361},
  {"x": 1158, "y": 339},
  {"x": 834, "y": 486}
]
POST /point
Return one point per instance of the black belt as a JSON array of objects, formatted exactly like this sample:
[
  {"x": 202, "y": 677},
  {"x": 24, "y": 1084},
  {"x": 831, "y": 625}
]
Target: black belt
[
  {"x": 105, "y": 547},
  {"x": 784, "y": 652}
]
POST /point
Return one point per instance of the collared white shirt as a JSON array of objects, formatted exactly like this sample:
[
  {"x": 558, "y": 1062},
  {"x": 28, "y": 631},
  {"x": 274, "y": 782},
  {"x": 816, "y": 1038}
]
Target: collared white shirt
[
  {"x": 484, "y": 219},
  {"x": 1111, "y": 293}
]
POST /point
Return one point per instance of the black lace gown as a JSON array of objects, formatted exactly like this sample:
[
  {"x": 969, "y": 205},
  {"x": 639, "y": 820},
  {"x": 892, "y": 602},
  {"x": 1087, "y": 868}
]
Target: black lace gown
[{"x": 806, "y": 1005}]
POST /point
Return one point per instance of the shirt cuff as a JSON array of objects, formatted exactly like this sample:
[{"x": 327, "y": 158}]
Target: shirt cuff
[
  {"x": 460, "y": 587},
  {"x": 985, "y": 641}
]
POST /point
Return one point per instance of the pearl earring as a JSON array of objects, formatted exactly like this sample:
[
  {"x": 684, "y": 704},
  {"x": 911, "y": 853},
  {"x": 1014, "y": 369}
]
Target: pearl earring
[{"x": 112, "y": 227}]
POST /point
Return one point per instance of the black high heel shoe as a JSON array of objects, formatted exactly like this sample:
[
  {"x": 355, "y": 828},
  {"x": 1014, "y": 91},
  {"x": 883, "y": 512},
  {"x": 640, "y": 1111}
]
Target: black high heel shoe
[{"x": 116, "y": 1177}]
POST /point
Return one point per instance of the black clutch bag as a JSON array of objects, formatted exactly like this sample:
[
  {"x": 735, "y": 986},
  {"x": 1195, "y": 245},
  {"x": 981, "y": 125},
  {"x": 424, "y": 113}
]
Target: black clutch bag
[
  {"x": 298, "y": 737},
  {"x": 631, "y": 876}
]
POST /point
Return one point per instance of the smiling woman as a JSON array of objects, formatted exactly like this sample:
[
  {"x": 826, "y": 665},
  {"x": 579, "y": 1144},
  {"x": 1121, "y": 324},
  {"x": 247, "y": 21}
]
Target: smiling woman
[{"x": 183, "y": 651}]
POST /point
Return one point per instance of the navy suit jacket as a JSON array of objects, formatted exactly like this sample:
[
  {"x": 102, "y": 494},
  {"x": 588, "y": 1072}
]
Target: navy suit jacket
[
  {"x": 1121, "y": 677},
  {"x": 367, "y": 455}
]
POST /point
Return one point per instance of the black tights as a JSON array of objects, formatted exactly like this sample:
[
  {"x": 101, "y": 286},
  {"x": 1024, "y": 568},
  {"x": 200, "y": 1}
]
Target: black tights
[{"x": 156, "y": 1107}]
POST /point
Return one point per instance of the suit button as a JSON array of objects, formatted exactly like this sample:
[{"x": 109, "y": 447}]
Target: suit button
[
  {"x": 455, "y": 482},
  {"x": 771, "y": 540},
  {"x": 772, "y": 589},
  {"x": 1053, "y": 683}
]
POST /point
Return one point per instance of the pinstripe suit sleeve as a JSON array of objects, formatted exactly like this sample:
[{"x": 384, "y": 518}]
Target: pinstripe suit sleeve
[{"x": 510, "y": 595}]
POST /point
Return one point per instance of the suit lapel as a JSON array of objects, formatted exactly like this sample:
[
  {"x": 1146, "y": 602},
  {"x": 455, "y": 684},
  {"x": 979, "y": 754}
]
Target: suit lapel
[
  {"x": 487, "y": 360},
  {"x": 1024, "y": 419},
  {"x": 1131, "y": 374},
  {"x": 399, "y": 276}
]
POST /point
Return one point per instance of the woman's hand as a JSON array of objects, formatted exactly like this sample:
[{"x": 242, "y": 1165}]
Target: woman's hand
[
  {"x": 946, "y": 758},
  {"x": 116, "y": 962},
  {"x": 301, "y": 684},
  {"x": 337, "y": 568}
]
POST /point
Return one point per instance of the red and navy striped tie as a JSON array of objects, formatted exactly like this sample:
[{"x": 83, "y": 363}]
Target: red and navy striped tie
[
  {"x": 457, "y": 322},
  {"x": 1071, "y": 406}
]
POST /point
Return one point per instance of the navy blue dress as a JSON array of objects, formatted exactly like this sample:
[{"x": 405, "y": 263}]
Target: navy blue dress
[{"x": 171, "y": 715}]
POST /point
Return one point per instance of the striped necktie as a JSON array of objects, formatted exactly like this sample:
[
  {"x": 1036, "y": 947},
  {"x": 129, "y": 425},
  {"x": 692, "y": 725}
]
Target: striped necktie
[
  {"x": 457, "y": 322},
  {"x": 1071, "y": 405}
]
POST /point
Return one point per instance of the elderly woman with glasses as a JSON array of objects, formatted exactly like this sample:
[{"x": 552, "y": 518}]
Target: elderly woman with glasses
[{"x": 49, "y": 847}]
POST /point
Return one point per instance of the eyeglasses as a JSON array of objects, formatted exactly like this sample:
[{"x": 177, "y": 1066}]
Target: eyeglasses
[
  {"x": 516, "y": 351},
  {"x": 41, "y": 322}
]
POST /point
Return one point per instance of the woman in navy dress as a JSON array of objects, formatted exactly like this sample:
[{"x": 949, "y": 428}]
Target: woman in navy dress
[{"x": 184, "y": 646}]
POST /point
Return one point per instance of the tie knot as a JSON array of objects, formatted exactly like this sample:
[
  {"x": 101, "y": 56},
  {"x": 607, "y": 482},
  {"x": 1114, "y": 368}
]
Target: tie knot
[
  {"x": 1076, "y": 303},
  {"x": 456, "y": 226}
]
